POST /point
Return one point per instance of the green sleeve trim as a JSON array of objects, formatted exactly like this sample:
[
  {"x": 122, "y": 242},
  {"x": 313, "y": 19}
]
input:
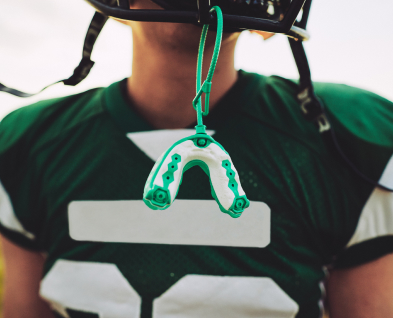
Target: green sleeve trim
[
  {"x": 20, "y": 239},
  {"x": 364, "y": 252}
]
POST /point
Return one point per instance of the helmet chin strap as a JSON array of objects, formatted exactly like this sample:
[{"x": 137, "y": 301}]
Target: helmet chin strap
[
  {"x": 85, "y": 65},
  {"x": 314, "y": 111},
  {"x": 99, "y": 20}
]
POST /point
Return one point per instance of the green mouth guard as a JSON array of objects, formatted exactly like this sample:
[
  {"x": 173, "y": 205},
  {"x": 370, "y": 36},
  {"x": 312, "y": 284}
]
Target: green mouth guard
[{"x": 163, "y": 183}]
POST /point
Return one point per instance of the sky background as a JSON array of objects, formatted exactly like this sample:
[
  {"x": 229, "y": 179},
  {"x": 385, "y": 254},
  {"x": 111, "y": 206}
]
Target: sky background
[{"x": 41, "y": 42}]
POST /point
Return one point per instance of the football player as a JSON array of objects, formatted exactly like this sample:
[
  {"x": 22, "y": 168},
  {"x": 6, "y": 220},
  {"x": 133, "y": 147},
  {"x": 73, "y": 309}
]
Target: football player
[{"x": 78, "y": 240}]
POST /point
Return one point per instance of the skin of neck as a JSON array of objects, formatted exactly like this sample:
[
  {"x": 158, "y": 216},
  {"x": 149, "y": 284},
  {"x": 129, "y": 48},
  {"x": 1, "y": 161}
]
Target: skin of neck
[{"x": 163, "y": 81}]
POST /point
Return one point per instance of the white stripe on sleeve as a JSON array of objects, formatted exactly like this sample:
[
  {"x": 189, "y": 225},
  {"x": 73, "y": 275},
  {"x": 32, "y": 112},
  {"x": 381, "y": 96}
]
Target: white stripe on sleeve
[
  {"x": 7, "y": 216},
  {"x": 376, "y": 218}
]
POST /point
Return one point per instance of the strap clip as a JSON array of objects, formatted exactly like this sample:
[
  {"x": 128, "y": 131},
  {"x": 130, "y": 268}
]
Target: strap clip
[
  {"x": 206, "y": 88},
  {"x": 204, "y": 11},
  {"x": 313, "y": 109},
  {"x": 80, "y": 72},
  {"x": 124, "y": 4}
]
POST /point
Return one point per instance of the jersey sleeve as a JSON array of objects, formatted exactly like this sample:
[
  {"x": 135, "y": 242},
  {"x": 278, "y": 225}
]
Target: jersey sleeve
[
  {"x": 373, "y": 236},
  {"x": 18, "y": 204},
  {"x": 364, "y": 125},
  {"x": 30, "y": 139}
]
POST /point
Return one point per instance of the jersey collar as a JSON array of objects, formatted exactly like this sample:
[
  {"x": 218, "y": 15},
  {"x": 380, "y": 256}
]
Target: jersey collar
[{"x": 120, "y": 109}]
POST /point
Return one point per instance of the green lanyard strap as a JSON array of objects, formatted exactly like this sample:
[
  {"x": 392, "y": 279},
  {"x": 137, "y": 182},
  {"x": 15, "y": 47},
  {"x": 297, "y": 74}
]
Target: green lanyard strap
[{"x": 207, "y": 84}]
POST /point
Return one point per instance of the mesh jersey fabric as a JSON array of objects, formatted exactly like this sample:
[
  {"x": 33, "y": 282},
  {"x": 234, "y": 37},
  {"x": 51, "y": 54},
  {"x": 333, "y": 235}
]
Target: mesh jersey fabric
[{"x": 76, "y": 148}]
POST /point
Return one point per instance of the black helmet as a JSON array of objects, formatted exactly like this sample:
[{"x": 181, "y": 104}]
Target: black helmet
[{"x": 277, "y": 16}]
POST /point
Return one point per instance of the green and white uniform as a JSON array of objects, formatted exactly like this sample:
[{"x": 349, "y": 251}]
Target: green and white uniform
[{"x": 88, "y": 156}]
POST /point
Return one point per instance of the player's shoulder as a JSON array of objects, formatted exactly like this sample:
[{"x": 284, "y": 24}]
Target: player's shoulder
[
  {"x": 361, "y": 120},
  {"x": 46, "y": 119},
  {"x": 340, "y": 98},
  {"x": 360, "y": 112},
  {"x": 363, "y": 113}
]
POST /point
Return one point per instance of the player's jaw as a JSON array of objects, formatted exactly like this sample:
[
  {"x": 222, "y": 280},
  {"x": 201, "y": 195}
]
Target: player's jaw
[{"x": 171, "y": 36}]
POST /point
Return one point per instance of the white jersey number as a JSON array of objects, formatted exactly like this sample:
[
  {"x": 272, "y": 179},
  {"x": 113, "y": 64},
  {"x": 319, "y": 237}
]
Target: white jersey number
[{"x": 101, "y": 288}]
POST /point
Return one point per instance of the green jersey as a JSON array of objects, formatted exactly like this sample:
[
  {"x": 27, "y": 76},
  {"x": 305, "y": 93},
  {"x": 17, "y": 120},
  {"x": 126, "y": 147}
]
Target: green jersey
[{"x": 73, "y": 170}]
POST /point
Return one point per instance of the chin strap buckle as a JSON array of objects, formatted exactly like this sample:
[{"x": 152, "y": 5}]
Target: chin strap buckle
[
  {"x": 313, "y": 109},
  {"x": 124, "y": 4},
  {"x": 204, "y": 14}
]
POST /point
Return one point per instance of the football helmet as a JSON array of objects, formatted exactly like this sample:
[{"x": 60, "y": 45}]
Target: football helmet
[{"x": 276, "y": 16}]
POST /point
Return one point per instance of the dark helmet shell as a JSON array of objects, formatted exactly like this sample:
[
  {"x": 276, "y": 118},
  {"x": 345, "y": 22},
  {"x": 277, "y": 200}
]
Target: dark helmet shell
[{"x": 267, "y": 9}]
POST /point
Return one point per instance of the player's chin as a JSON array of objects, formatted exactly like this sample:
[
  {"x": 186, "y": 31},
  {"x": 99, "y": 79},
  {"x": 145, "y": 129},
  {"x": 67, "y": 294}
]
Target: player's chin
[
  {"x": 178, "y": 36},
  {"x": 188, "y": 35}
]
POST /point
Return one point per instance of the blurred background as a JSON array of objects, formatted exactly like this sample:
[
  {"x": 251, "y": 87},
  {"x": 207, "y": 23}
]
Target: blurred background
[{"x": 41, "y": 42}]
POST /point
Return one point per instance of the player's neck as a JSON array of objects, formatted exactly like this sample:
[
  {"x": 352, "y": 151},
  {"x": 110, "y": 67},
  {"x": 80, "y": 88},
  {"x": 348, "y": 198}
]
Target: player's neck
[{"x": 162, "y": 85}]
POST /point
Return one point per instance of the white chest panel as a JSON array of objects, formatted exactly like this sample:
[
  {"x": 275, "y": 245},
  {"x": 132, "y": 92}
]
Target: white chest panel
[
  {"x": 91, "y": 287},
  {"x": 189, "y": 222},
  {"x": 100, "y": 288},
  {"x": 196, "y": 296}
]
